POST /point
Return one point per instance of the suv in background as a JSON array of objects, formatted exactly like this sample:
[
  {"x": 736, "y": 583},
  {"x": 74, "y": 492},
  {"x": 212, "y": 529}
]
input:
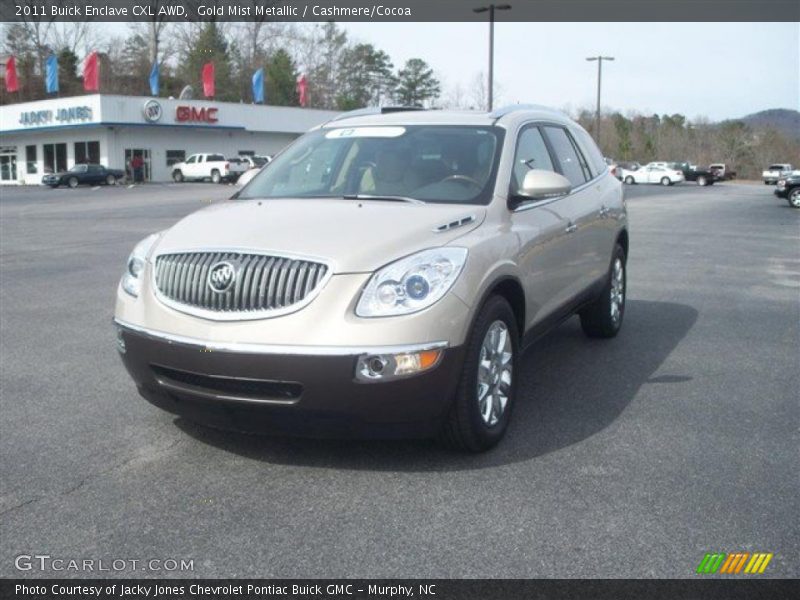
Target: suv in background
[
  {"x": 773, "y": 173},
  {"x": 789, "y": 188},
  {"x": 381, "y": 277}
]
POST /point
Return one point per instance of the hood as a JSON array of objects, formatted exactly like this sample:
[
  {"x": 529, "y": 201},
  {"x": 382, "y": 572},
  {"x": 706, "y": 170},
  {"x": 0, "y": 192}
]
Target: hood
[{"x": 355, "y": 236}]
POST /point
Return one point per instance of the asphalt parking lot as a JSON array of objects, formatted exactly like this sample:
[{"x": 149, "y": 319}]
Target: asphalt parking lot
[{"x": 626, "y": 458}]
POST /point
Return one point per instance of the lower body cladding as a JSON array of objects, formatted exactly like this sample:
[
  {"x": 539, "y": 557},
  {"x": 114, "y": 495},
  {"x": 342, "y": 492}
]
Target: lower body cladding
[{"x": 318, "y": 395}]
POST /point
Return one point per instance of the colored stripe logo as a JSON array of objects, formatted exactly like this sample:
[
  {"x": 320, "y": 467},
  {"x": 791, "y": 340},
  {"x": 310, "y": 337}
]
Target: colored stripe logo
[{"x": 734, "y": 563}]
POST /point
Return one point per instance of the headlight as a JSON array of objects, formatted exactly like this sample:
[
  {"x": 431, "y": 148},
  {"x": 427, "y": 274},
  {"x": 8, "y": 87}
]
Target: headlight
[
  {"x": 132, "y": 279},
  {"x": 412, "y": 283}
]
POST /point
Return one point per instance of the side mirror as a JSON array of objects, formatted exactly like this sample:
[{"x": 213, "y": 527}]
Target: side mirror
[{"x": 541, "y": 185}]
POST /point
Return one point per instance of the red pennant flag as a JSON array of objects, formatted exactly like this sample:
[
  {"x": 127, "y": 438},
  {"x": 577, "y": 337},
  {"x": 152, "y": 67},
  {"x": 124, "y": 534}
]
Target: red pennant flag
[
  {"x": 12, "y": 85},
  {"x": 208, "y": 80},
  {"x": 302, "y": 89},
  {"x": 91, "y": 73}
]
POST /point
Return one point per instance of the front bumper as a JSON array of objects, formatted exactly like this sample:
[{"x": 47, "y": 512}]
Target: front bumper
[
  {"x": 781, "y": 192},
  {"x": 298, "y": 392}
]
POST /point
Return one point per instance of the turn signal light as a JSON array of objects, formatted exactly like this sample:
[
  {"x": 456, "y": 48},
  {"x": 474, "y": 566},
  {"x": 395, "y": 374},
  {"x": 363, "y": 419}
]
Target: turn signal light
[{"x": 384, "y": 367}]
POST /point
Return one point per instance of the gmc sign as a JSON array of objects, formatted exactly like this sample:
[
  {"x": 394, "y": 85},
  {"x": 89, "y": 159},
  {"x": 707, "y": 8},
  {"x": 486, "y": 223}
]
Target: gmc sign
[{"x": 186, "y": 114}]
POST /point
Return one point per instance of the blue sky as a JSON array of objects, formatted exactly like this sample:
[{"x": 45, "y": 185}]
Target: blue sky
[{"x": 716, "y": 70}]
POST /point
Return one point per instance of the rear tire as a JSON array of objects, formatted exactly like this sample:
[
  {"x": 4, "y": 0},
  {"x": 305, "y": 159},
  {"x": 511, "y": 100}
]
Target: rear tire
[
  {"x": 666, "y": 181},
  {"x": 72, "y": 182},
  {"x": 794, "y": 198},
  {"x": 630, "y": 180},
  {"x": 702, "y": 181},
  {"x": 111, "y": 180},
  {"x": 484, "y": 400},
  {"x": 177, "y": 176},
  {"x": 603, "y": 318},
  {"x": 215, "y": 176}
]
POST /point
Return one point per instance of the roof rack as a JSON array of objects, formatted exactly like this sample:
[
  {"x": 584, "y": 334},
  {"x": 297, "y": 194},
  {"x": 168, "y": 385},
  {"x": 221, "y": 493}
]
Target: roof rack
[
  {"x": 504, "y": 110},
  {"x": 374, "y": 110}
]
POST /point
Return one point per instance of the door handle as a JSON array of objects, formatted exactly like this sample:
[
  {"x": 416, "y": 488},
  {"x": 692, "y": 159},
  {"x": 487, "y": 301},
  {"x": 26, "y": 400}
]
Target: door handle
[
  {"x": 604, "y": 210},
  {"x": 571, "y": 228}
]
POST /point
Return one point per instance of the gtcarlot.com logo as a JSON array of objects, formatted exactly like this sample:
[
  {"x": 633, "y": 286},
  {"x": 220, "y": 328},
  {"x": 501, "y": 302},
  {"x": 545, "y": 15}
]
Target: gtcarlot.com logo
[
  {"x": 46, "y": 562},
  {"x": 734, "y": 563}
]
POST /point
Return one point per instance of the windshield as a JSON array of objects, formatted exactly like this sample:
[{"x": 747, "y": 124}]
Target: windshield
[{"x": 431, "y": 163}]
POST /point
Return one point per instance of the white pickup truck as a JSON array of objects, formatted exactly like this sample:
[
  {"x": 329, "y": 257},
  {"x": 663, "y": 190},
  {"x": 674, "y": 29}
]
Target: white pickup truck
[
  {"x": 775, "y": 172},
  {"x": 208, "y": 166}
]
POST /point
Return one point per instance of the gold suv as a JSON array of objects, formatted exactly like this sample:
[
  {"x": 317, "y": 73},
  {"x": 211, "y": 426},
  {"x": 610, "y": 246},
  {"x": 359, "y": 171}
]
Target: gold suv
[{"x": 381, "y": 277}]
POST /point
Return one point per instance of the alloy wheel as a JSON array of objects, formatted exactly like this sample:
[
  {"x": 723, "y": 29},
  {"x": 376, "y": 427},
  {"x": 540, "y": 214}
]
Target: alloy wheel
[
  {"x": 495, "y": 370},
  {"x": 617, "y": 303}
]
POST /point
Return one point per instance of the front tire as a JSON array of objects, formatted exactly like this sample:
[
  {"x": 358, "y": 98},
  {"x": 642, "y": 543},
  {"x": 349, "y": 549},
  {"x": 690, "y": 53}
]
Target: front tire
[
  {"x": 666, "y": 181},
  {"x": 603, "y": 318},
  {"x": 794, "y": 198},
  {"x": 482, "y": 407},
  {"x": 630, "y": 180},
  {"x": 72, "y": 182}
]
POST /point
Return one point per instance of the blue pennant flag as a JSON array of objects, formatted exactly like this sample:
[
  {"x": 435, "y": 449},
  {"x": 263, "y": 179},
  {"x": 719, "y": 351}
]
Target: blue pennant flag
[
  {"x": 258, "y": 86},
  {"x": 154, "y": 73},
  {"x": 51, "y": 74}
]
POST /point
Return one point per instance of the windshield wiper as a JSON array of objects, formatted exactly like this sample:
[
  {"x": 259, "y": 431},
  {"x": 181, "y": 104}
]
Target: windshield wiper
[{"x": 382, "y": 197}]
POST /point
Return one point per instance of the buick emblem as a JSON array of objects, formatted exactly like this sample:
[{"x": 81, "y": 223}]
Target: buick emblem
[
  {"x": 221, "y": 277},
  {"x": 152, "y": 111}
]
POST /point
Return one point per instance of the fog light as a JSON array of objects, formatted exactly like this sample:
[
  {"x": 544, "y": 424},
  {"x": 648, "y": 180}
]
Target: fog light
[{"x": 385, "y": 367}]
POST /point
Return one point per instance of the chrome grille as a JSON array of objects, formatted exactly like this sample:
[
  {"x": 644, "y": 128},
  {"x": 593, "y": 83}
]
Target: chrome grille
[{"x": 261, "y": 282}]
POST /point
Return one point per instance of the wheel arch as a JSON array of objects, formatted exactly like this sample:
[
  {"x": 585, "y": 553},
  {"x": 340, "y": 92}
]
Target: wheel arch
[{"x": 510, "y": 288}]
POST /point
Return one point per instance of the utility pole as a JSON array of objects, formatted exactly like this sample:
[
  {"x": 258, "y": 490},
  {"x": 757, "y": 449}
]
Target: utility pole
[
  {"x": 491, "y": 9},
  {"x": 599, "y": 60}
]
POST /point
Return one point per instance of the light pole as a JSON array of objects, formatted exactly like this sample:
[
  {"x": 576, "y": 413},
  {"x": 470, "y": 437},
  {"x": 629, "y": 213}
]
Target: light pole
[
  {"x": 491, "y": 8},
  {"x": 599, "y": 60}
]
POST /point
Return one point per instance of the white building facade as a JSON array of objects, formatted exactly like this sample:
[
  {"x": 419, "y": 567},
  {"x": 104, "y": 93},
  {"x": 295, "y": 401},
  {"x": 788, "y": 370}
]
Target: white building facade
[{"x": 55, "y": 134}]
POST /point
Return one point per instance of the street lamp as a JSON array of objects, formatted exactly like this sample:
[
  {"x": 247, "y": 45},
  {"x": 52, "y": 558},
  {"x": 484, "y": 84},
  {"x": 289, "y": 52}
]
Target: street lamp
[
  {"x": 599, "y": 60},
  {"x": 490, "y": 9}
]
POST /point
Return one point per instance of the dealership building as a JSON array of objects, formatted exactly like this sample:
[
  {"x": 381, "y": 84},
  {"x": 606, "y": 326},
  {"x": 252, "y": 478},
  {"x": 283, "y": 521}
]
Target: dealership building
[{"x": 55, "y": 134}]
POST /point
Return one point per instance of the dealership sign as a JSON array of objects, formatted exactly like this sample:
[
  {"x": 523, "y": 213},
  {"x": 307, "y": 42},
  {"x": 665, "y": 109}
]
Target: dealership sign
[
  {"x": 192, "y": 114},
  {"x": 60, "y": 115}
]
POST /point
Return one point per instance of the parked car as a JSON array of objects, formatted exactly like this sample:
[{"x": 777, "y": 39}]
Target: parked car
[
  {"x": 215, "y": 167},
  {"x": 653, "y": 174},
  {"x": 773, "y": 173},
  {"x": 381, "y": 276},
  {"x": 722, "y": 172},
  {"x": 255, "y": 161},
  {"x": 88, "y": 174},
  {"x": 789, "y": 188},
  {"x": 701, "y": 177}
]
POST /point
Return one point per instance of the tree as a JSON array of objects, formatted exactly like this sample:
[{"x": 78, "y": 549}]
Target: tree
[
  {"x": 416, "y": 84},
  {"x": 321, "y": 54},
  {"x": 366, "y": 77},
  {"x": 208, "y": 44},
  {"x": 281, "y": 80},
  {"x": 624, "y": 142},
  {"x": 69, "y": 81}
]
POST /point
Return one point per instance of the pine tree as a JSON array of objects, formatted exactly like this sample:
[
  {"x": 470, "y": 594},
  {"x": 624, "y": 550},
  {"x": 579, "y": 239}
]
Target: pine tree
[
  {"x": 416, "y": 84},
  {"x": 281, "y": 80}
]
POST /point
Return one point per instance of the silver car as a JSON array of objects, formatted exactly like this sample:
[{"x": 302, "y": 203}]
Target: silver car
[{"x": 381, "y": 278}]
